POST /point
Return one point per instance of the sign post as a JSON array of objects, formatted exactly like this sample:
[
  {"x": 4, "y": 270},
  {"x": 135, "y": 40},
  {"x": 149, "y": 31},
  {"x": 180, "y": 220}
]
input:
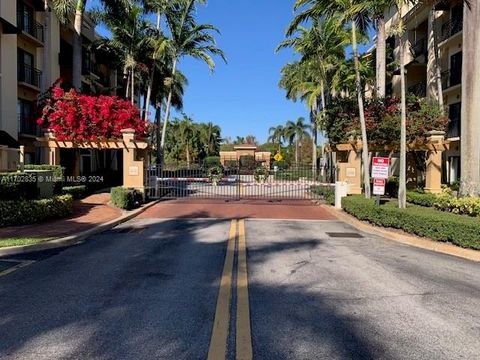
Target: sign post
[{"x": 380, "y": 169}]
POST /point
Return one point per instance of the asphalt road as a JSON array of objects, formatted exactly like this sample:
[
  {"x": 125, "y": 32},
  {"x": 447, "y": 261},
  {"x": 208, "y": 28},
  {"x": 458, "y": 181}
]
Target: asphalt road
[{"x": 150, "y": 290}]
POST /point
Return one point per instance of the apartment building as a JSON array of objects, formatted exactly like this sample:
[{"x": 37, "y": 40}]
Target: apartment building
[
  {"x": 428, "y": 28},
  {"x": 33, "y": 54}
]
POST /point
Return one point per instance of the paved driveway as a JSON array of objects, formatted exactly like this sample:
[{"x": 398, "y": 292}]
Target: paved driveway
[{"x": 177, "y": 289}]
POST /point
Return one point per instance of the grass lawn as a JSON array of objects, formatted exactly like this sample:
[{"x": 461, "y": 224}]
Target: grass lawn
[{"x": 23, "y": 241}]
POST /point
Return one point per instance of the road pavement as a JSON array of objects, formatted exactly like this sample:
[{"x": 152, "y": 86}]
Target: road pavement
[{"x": 164, "y": 289}]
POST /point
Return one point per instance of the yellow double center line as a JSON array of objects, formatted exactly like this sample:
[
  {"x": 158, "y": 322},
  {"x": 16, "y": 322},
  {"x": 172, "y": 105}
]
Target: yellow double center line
[{"x": 221, "y": 325}]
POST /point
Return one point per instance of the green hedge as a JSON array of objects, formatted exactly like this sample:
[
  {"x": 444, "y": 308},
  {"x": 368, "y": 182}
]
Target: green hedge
[
  {"x": 77, "y": 192},
  {"x": 440, "y": 226},
  {"x": 326, "y": 192},
  {"x": 15, "y": 212},
  {"x": 126, "y": 199},
  {"x": 15, "y": 186},
  {"x": 465, "y": 206},
  {"x": 422, "y": 199},
  {"x": 212, "y": 161},
  {"x": 56, "y": 169}
]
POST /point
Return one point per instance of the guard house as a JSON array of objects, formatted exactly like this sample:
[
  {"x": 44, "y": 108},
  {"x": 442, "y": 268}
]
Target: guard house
[{"x": 246, "y": 150}]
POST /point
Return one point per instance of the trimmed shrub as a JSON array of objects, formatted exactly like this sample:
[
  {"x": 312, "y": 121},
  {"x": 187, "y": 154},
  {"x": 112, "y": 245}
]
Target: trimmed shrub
[
  {"x": 231, "y": 164},
  {"x": 126, "y": 199},
  {"x": 247, "y": 162},
  {"x": 436, "y": 225},
  {"x": 21, "y": 212},
  {"x": 58, "y": 174},
  {"x": 77, "y": 192},
  {"x": 422, "y": 199},
  {"x": 212, "y": 161},
  {"x": 282, "y": 165},
  {"x": 464, "y": 206},
  {"x": 325, "y": 192},
  {"x": 15, "y": 186}
]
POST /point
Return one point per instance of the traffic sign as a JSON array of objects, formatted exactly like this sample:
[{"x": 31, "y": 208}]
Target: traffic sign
[
  {"x": 278, "y": 157},
  {"x": 380, "y": 167},
  {"x": 378, "y": 186}
]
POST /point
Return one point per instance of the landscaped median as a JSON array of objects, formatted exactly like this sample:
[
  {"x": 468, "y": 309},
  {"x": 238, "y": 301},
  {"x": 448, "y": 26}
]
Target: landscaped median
[{"x": 437, "y": 225}]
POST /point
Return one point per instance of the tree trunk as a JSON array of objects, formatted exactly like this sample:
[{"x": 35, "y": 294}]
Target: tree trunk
[
  {"x": 188, "y": 157},
  {"x": 313, "y": 117},
  {"x": 432, "y": 29},
  {"x": 46, "y": 78},
  {"x": 127, "y": 88},
  {"x": 470, "y": 151},
  {"x": 169, "y": 105},
  {"x": 77, "y": 46},
  {"x": 402, "y": 189},
  {"x": 381, "y": 58},
  {"x": 133, "y": 86},
  {"x": 358, "y": 83},
  {"x": 150, "y": 82}
]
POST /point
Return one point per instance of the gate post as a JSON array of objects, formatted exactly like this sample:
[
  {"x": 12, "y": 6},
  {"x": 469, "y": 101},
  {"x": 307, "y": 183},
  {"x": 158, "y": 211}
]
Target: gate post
[
  {"x": 133, "y": 162},
  {"x": 435, "y": 145}
]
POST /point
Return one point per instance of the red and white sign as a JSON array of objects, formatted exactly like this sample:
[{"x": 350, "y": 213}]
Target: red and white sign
[
  {"x": 378, "y": 186},
  {"x": 380, "y": 166}
]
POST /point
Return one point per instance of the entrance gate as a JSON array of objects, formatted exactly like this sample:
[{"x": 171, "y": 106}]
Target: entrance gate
[{"x": 234, "y": 184}]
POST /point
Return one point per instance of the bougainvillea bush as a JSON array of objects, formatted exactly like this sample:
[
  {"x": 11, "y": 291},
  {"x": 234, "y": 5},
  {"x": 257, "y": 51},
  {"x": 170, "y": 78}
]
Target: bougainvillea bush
[
  {"x": 382, "y": 118},
  {"x": 77, "y": 117}
]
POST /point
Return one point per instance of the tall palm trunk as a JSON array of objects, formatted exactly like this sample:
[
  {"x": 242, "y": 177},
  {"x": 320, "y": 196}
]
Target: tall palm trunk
[
  {"x": 432, "y": 30},
  {"x": 324, "y": 108},
  {"x": 381, "y": 54},
  {"x": 158, "y": 120},
  {"x": 188, "y": 156},
  {"x": 150, "y": 82},
  {"x": 470, "y": 152},
  {"x": 127, "y": 88},
  {"x": 133, "y": 86},
  {"x": 402, "y": 189},
  {"x": 169, "y": 105},
  {"x": 313, "y": 117},
  {"x": 358, "y": 83},
  {"x": 47, "y": 44},
  {"x": 77, "y": 45},
  {"x": 296, "y": 152}
]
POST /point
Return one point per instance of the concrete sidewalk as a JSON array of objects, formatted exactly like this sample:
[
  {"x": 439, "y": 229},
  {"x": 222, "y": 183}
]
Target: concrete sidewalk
[{"x": 88, "y": 213}]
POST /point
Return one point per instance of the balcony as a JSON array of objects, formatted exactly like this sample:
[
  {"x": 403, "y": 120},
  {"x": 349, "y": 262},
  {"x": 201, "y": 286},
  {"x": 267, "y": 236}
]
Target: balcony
[
  {"x": 454, "y": 129},
  {"x": 451, "y": 78},
  {"x": 451, "y": 27},
  {"x": 31, "y": 27},
  {"x": 420, "y": 48},
  {"x": 27, "y": 74},
  {"x": 419, "y": 89},
  {"x": 28, "y": 126}
]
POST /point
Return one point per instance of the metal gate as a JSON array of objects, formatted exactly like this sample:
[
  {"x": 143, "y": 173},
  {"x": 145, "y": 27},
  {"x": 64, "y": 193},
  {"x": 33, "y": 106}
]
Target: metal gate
[{"x": 233, "y": 184}]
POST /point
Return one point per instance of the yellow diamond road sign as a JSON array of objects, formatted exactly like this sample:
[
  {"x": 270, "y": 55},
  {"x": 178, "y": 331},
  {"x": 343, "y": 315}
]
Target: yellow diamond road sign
[{"x": 278, "y": 157}]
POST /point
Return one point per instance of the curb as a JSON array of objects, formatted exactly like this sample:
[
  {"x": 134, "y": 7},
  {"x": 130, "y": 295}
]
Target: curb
[
  {"x": 407, "y": 239},
  {"x": 74, "y": 239}
]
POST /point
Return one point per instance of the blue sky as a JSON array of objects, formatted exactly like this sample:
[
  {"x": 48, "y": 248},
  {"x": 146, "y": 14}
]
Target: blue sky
[{"x": 243, "y": 96}]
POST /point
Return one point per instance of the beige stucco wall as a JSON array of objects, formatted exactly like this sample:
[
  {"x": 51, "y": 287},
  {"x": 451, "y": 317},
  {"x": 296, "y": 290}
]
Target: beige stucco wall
[{"x": 8, "y": 79}]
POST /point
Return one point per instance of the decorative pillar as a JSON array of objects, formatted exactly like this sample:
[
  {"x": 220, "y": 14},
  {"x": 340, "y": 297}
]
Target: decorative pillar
[
  {"x": 21, "y": 154},
  {"x": 349, "y": 165},
  {"x": 133, "y": 162},
  {"x": 435, "y": 146}
]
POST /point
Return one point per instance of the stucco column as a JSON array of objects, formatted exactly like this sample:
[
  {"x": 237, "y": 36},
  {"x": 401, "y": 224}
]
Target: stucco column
[
  {"x": 433, "y": 181},
  {"x": 349, "y": 166},
  {"x": 53, "y": 153},
  {"x": 133, "y": 168}
]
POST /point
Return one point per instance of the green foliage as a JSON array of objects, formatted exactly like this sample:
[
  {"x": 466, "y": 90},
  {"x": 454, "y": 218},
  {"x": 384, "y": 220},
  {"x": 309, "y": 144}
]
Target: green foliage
[
  {"x": 231, "y": 164},
  {"x": 227, "y": 147},
  {"x": 436, "y": 225},
  {"x": 382, "y": 118},
  {"x": 126, "y": 199},
  {"x": 212, "y": 161},
  {"x": 215, "y": 173},
  {"x": 15, "y": 186},
  {"x": 421, "y": 198},
  {"x": 261, "y": 174},
  {"x": 326, "y": 192},
  {"x": 77, "y": 192},
  {"x": 58, "y": 171},
  {"x": 21, "y": 212},
  {"x": 282, "y": 165},
  {"x": 247, "y": 162},
  {"x": 465, "y": 206}
]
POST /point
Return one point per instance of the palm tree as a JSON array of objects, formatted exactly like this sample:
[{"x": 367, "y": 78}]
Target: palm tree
[
  {"x": 296, "y": 132},
  {"x": 188, "y": 39},
  {"x": 277, "y": 134},
  {"x": 321, "y": 47},
  {"x": 186, "y": 130},
  {"x": 211, "y": 137},
  {"x": 352, "y": 12}
]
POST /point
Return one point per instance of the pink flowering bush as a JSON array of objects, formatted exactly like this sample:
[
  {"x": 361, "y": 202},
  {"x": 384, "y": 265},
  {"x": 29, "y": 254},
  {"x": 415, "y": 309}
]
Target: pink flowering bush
[{"x": 77, "y": 117}]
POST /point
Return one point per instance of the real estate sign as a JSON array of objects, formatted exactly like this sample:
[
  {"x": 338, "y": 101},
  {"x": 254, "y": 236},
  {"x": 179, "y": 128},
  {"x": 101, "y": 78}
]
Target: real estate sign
[{"x": 380, "y": 166}]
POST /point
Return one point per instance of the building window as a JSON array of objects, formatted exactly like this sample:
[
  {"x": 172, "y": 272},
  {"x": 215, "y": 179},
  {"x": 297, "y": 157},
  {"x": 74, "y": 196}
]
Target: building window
[
  {"x": 453, "y": 169},
  {"x": 26, "y": 117},
  {"x": 26, "y": 21},
  {"x": 456, "y": 69},
  {"x": 454, "y": 125},
  {"x": 26, "y": 69}
]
